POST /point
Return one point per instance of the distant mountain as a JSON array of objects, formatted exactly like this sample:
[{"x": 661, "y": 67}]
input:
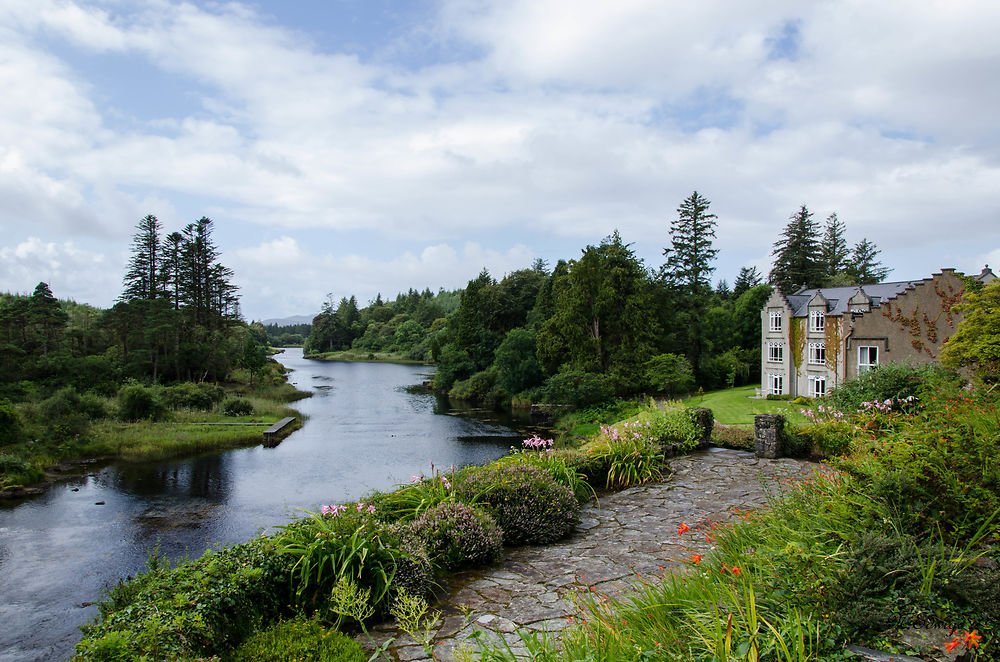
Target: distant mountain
[{"x": 288, "y": 321}]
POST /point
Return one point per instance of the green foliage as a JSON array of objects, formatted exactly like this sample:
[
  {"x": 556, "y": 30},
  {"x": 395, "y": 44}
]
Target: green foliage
[
  {"x": 830, "y": 438},
  {"x": 797, "y": 261},
  {"x": 299, "y": 639},
  {"x": 480, "y": 387},
  {"x": 11, "y": 427},
  {"x": 740, "y": 437},
  {"x": 525, "y": 501},
  {"x": 516, "y": 365},
  {"x": 899, "y": 382},
  {"x": 669, "y": 374},
  {"x": 628, "y": 454},
  {"x": 237, "y": 407},
  {"x": 350, "y": 545},
  {"x": 563, "y": 466},
  {"x": 408, "y": 502},
  {"x": 136, "y": 403},
  {"x": 188, "y": 395},
  {"x": 577, "y": 388},
  {"x": 200, "y": 608},
  {"x": 976, "y": 342},
  {"x": 458, "y": 535},
  {"x": 453, "y": 364}
]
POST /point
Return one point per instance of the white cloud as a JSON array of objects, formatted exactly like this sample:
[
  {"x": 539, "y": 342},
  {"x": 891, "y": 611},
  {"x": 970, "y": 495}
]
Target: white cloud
[{"x": 71, "y": 272}]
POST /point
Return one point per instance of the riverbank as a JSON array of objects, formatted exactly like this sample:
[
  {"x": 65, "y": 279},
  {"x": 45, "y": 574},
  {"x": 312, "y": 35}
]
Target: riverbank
[
  {"x": 362, "y": 356},
  {"x": 87, "y": 430}
]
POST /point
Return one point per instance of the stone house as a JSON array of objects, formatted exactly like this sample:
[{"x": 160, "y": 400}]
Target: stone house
[{"x": 817, "y": 338}]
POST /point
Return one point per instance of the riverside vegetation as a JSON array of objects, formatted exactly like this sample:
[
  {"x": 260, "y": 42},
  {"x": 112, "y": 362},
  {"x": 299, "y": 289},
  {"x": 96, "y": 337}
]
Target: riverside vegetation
[{"x": 901, "y": 530}]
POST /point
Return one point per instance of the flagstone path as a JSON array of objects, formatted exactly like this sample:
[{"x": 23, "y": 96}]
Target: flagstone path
[{"x": 629, "y": 535}]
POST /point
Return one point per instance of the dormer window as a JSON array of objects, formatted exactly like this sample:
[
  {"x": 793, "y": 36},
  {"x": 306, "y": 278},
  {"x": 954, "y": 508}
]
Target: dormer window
[
  {"x": 775, "y": 320},
  {"x": 817, "y": 321}
]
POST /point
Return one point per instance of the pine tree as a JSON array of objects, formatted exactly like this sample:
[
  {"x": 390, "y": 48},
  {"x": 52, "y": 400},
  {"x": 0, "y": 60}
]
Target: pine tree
[
  {"x": 833, "y": 249},
  {"x": 747, "y": 278},
  {"x": 797, "y": 260},
  {"x": 863, "y": 266},
  {"x": 171, "y": 267},
  {"x": 690, "y": 255},
  {"x": 142, "y": 280}
]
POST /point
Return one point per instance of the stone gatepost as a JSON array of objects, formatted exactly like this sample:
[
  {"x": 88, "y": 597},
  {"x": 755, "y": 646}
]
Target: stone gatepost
[
  {"x": 704, "y": 420},
  {"x": 769, "y": 435}
]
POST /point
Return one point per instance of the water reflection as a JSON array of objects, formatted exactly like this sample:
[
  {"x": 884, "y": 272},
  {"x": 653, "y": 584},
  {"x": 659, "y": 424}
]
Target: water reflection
[{"x": 366, "y": 429}]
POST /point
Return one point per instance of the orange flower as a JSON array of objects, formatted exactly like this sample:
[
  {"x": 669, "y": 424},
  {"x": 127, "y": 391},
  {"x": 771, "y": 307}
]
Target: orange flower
[
  {"x": 971, "y": 639},
  {"x": 696, "y": 559},
  {"x": 735, "y": 571},
  {"x": 682, "y": 529},
  {"x": 950, "y": 645}
]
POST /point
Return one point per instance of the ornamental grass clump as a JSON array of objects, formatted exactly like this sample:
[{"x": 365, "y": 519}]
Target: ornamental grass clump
[
  {"x": 628, "y": 453},
  {"x": 526, "y": 502},
  {"x": 458, "y": 535}
]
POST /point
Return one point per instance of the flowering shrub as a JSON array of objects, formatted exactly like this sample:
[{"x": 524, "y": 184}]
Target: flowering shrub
[
  {"x": 526, "y": 502},
  {"x": 630, "y": 454},
  {"x": 408, "y": 502},
  {"x": 457, "y": 535},
  {"x": 561, "y": 465}
]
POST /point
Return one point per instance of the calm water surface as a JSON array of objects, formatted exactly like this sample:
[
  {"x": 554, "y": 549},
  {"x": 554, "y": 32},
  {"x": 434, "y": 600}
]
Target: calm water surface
[{"x": 365, "y": 430}]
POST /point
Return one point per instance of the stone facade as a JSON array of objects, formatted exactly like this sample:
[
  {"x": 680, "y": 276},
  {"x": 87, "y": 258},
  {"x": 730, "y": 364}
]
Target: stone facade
[{"x": 815, "y": 339}]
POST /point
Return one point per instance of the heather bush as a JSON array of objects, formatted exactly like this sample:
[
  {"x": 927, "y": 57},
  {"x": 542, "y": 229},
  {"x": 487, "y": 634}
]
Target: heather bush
[
  {"x": 458, "y": 535},
  {"x": 299, "y": 639},
  {"x": 526, "y": 502}
]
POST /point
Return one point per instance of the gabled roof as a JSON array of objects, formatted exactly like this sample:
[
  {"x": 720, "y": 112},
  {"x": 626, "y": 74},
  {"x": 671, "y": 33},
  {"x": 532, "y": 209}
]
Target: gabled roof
[{"x": 838, "y": 297}]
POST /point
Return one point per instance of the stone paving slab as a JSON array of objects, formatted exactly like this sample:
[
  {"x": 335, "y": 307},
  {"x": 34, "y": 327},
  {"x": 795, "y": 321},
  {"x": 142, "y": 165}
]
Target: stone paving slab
[{"x": 629, "y": 535}]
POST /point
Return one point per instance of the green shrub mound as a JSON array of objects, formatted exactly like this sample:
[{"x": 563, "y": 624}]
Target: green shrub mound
[
  {"x": 527, "y": 503},
  {"x": 458, "y": 535},
  {"x": 200, "y": 608},
  {"x": 136, "y": 403},
  {"x": 299, "y": 639},
  {"x": 899, "y": 382},
  {"x": 237, "y": 407},
  {"x": 10, "y": 424},
  {"x": 200, "y": 397}
]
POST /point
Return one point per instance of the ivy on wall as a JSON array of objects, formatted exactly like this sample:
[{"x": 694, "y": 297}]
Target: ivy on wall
[
  {"x": 797, "y": 340},
  {"x": 921, "y": 327},
  {"x": 834, "y": 331}
]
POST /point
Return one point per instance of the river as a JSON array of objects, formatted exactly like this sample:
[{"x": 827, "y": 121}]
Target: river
[{"x": 366, "y": 429}]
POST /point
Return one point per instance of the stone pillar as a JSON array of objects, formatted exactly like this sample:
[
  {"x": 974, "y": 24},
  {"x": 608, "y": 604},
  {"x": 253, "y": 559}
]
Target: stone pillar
[
  {"x": 769, "y": 435},
  {"x": 704, "y": 420}
]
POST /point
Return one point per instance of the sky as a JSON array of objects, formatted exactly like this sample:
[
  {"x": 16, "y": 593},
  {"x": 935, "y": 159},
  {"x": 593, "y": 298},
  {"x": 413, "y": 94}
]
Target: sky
[{"x": 371, "y": 146}]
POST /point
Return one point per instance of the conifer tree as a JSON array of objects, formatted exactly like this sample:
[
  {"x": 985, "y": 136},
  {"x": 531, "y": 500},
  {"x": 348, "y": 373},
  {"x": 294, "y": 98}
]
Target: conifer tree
[
  {"x": 797, "y": 261},
  {"x": 142, "y": 280},
  {"x": 833, "y": 248},
  {"x": 747, "y": 278},
  {"x": 863, "y": 266},
  {"x": 689, "y": 257}
]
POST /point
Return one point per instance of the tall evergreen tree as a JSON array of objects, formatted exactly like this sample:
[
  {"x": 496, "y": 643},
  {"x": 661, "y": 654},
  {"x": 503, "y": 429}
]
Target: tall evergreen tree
[
  {"x": 863, "y": 266},
  {"x": 142, "y": 279},
  {"x": 172, "y": 267},
  {"x": 833, "y": 248},
  {"x": 46, "y": 316},
  {"x": 747, "y": 278},
  {"x": 689, "y": 257},
  {"x": 797, "y": 261}
]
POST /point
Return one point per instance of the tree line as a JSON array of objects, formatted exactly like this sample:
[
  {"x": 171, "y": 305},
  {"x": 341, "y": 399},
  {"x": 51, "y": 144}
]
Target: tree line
[
  {"x": 603, "y": 324},
  {"x": 177, "y": 319}
]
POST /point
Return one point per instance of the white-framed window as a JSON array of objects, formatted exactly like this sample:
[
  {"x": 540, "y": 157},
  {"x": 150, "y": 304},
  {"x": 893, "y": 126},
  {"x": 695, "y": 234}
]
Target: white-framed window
[
  {"x": 817, "y": 353},
  {"x": 867, "y": 358},
  {"x": 817, "y": 320},
  {"x": 817, "y": 387},
  {"x": 775, "y": 352},
  {"x": 775, "y": 383},
  {"x": 775, "y": 320}
]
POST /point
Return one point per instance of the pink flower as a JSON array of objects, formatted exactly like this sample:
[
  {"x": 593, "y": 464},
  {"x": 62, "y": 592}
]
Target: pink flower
[
  {"x": 371, "y": 509},
  {"x": 447, "y": 485}
]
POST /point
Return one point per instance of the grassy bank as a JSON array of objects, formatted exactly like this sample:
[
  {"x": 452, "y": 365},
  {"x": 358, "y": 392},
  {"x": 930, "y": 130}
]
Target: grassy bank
[
  {"x": 140, "y": 424},
  {"x": 363, "y": 356}
]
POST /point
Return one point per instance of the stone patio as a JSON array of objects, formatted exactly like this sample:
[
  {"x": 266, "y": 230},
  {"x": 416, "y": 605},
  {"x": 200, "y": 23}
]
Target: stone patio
[{"x": 630, "y": 535}]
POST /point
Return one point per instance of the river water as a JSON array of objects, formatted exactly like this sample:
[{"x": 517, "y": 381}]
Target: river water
[{"x": 365, "y": 430}]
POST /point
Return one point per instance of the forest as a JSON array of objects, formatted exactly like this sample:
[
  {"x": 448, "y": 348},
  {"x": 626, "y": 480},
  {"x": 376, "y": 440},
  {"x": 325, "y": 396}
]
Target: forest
[{"x": 603, "y": 324}]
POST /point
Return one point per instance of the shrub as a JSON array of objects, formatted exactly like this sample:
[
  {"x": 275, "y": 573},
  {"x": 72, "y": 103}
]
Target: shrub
[
  {"x": 669, "y": 374},
  {"x": 188, "y": 395},
  {"x": 630, "y": 456},
  {"x": 136, "y": 403},
  {"x": 459, "y": 535},
  {"x": 478, "y": 387},
  {"x": 15, "y": 472},
  {"x": 900, "y": 382},
  {"x": 734, "y": 436},
  {"x": 829, "y": 438},
  {"x": 200, "y": 608},
  {"x": 577, "y": 388},
  {"x": 299, "y": 639},
  {"x": 676, "y": 429},
  {"x": 526, "y": 502},
  {"x": 562, "y": 465},
  {"x": 237, "y": 407},
  {"x": 410, "y": 501},
  {"x": 10, "y": 424},
  {"x": 62, "y": 413}
]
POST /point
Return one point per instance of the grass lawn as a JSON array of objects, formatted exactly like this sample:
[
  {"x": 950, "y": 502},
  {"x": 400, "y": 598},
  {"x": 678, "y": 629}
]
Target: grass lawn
[{"x": 737, "y": 406}]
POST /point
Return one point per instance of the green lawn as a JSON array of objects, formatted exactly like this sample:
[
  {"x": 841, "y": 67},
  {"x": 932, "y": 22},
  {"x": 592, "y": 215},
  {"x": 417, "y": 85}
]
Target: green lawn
[{"x": 737, "y": 406}]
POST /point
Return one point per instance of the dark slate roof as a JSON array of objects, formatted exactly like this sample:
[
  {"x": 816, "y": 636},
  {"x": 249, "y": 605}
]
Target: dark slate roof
[{"x": 837, "y": 297}]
